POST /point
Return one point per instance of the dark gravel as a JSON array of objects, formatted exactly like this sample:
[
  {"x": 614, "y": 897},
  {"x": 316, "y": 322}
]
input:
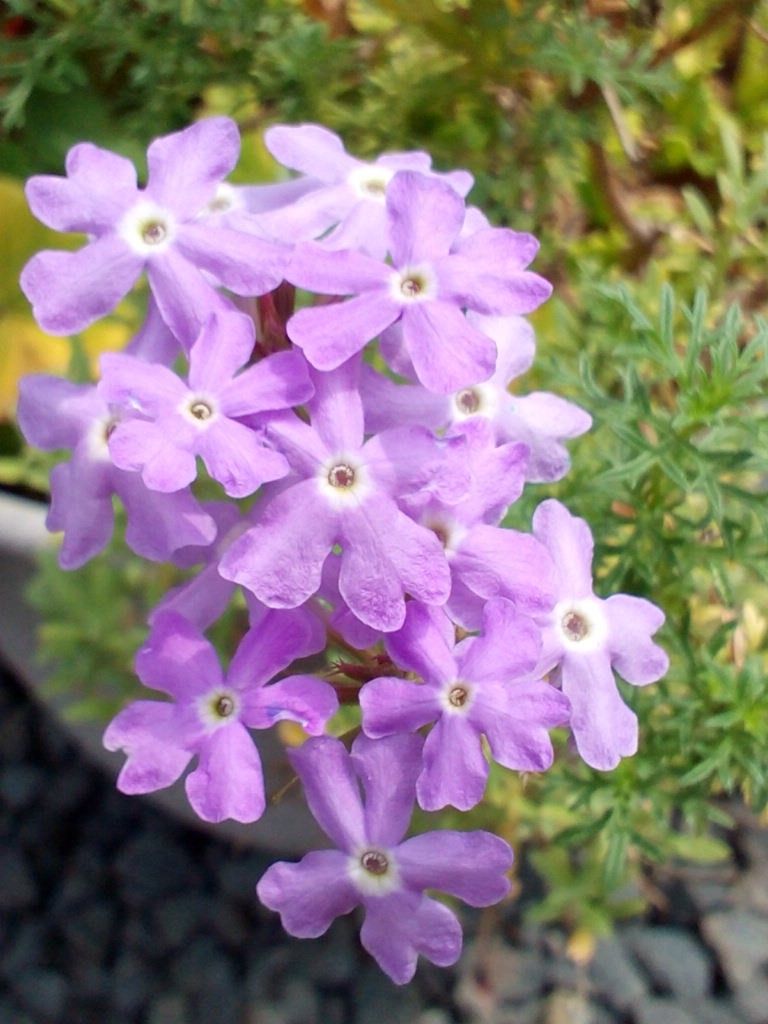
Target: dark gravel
[{"x": 112, "y": 912}]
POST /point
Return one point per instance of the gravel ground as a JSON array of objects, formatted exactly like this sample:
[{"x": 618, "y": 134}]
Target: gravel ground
[{"x": 111, "y": 913}]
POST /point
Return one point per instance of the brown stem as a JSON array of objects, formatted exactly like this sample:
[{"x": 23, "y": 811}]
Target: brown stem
[
  {"x": 643, "y": 236},
  {"x": 716, "y": 18}
]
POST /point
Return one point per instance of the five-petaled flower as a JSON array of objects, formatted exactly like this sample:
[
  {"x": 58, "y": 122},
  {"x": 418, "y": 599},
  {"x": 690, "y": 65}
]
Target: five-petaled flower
[{"x": 373, "y": 866}]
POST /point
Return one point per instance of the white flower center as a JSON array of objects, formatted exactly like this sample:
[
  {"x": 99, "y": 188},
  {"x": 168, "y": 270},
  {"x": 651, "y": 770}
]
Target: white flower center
[
  {"x": 478, "y": 400},
  {"x": 413, "y": 284},
  {"x": 457, "y": 697},
  {"x": 370, "y": 181},
  {"x": 450, "y": 534},
  {"x": 224, "y": 200},
  {"x": 582, "y": 624},
  {"x": 374, "y": 871},
  {"x": 218, "y": 707},
  {"x": 99, "y": 435},
  {"x": 200, "y": 410},
  {"x": 343, "y": 479},
  {"x": 147, "y": 228}
]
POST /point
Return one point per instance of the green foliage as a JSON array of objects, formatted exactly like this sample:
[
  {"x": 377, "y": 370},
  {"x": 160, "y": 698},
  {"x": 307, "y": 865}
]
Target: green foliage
[{"x": 95, "y": 620}]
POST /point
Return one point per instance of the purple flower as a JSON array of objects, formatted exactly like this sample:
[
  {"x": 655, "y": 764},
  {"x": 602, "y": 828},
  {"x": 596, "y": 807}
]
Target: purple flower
[
  {"x": 473, "y": 689},
  {"x": 486, "y": 560},
  {"x": 204, "y": 598},
  {"x": 346, "y": 494},
  {"x": 170, "y": 422},
  {"x": 585, "y": 638},
  {"x": 340, "y": 191},
  {"x": 55, "y": 413},
  {"x": 539, "y": 420},
  {"x": 212, "y": 712},
  {"x": 373, "y": 866},
  {"x": 436, "y": 275},
  {"x": 157, "y": 228}
]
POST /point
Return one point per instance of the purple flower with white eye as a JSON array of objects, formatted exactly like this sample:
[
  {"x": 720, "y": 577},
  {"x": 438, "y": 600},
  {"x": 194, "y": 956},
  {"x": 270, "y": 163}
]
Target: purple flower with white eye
[
  {"x": 585, "y": 638},
  {"x": 476, "y": 688},
  {"x": 346, "y": 494},
  {"x": 55, "y": 413},
  {"x": 157, "y": 228},
  {"x": 436, "y": 275},
  {"x": 486, "y": 560},
  {"x": 169, "y": 422},
  {"x": 539, "y": 420},
  {"x": 373, "y": 866},
  {"x": 340, "y": 191},
  {"x": 212, "y": 712}
]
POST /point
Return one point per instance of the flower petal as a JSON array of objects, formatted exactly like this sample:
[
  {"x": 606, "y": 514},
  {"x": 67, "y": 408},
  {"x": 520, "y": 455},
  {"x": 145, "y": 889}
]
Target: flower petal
[
  {"x": 186, "y": 166},
  {"x": 448, "y": 353},
  {"x": 184, "y": 296},
  {"x": 400, "y": 926},
  {"x": 425, "y": 643},
  {"x": 279, "y": 381},
  {"x": 604, "y": 728},
  {"x": 384, "y": 555},
  {"x": 388, "y": 769},
  {"x": 515, "y": 716},
  {"x": 337, "y": 409},
  {"x": 515, "y": 342},
  {"x": 81, "y": 506},
  {"x": 228, "y": 781},
  {"x": 496, "y": 562},
  {"x": 569, "y": 541},
  {"x": 332, "y": 272},
  {"x": 455, "y": 770},
  {"x": 304, "y": 699},
  {"x": 388, "y": 404},
  {"x": 235, "y": 456},
  {"x": 509, "y": 646},
  {"x": 280, "y": 560},
  {"x": 310, "y": 215},
  {"x": 311, "y": 149},
  {"x": 279, "y": 638},
  {"x": 425, "y": 216},
  {"x": 244, "y": 263},
  {"x": 311, "y": 894},
  {"x": 390, "y": 705},
  {"x": 368, "y": 581},
  {"x": 225, "y": 343},
  {"x": 177, "y": 659},
  {"x": 146, "y": 388},
  {"x": 159, "y": 524},
  {"x": 330, "y": 334},
  {"x": 470, "y": 865},
  {"x": 202, "y": 600},
  {"x": 632, "y": 621},
  {"x": 331, "y": 790},
  {"x": 486, "y": 273},
  {"x": 160, "y": 450},
  {"x": 100, "y": 186},
  {"x": 70, "y": 290},
  {"x": 149, "y": 732},
  {"x": 54, "y": 412}
]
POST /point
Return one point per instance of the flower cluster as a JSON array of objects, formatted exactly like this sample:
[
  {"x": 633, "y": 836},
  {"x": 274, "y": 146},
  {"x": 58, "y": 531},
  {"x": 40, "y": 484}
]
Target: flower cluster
[{"x": 375, "y": 432}]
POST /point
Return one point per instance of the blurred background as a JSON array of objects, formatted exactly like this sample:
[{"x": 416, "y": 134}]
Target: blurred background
[{"x": 630, "y": 136}]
